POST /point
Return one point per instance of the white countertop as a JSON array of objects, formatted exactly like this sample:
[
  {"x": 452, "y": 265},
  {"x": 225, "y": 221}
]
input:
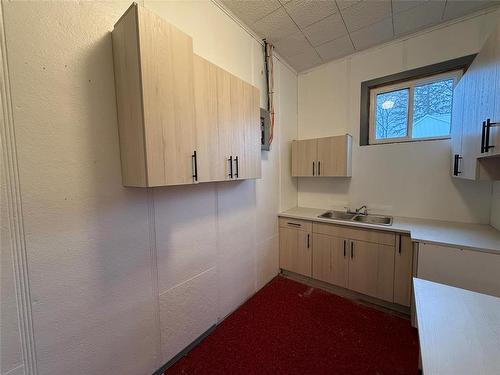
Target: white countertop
[
  {"x": 480, "y": 237},
  {"x": 459, "y": 330}
]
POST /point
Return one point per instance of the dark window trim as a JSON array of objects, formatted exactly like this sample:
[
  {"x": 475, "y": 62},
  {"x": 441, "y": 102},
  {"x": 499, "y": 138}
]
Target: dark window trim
[{"x": 425, "y": 71}]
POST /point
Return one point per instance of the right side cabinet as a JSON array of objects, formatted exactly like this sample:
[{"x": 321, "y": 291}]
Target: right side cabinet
[{"x": 476, "y": 116}]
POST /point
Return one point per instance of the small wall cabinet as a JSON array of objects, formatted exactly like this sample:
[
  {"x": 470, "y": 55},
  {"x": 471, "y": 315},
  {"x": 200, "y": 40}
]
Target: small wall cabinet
[
  {"x": 322, "y": 157},
  {"x": 476, "y": 116},
  {"x": 371, "y": 262},
  {"x": 182, "y": 120}
]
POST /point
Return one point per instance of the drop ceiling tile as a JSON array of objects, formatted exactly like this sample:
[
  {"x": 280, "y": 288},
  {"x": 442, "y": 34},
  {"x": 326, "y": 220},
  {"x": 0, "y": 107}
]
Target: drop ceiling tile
[
  {"x": 366, "y": 13},
  {"x": 336, "y": 48},
  {"x": 306, "y": 12},
  {"x": 346, "y": 3},
  {"x": 325, "y": 30},
  {"x": 275, "y": 25},
  {"x": 304, "y": 60},
  {"x": 419, "y": 17},
  {"x": 456, "y": 8},
  {"x": 377, "y": 33},
  {"x": 293, "y": 44},
  {"x": 250, "y": 11},
  {"x": 402, "y": 5}
]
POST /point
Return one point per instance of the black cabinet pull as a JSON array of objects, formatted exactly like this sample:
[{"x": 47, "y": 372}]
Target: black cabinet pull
[
  {"x": 489, "y": 125},
  {"x": 483, "y": 137},
  {"x": 456, "y": 164},
  {"x": 344, "y": 248},
  {"x": 400, "y": 244},
  {"x": 195, "y": 174},
  {"x": 236, "y": 174},
  {"x": 230, "y": 160},
  {"x": 308, "y": 241},
  {"x": 352, "y": 250},
  {"x": 313, "y": 168},
  {"x": 319, "y": 168},
  {"x": 294, "y": 224}
]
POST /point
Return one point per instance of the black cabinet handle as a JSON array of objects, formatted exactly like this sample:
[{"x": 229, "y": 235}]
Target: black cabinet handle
[
  {"x": 313, "y": 168},
  {"x": 308, "y": 241},
  {"x": 319, "y": 168},
  {"x": 352, "y": 250},
  {"x": 456, "y": 159},
  {"x": 294, "y": 224},
  {"x": 237, "y": 167},
  {"x": 489, "y": 125},
  {"x": 344, "y": 248},
  {"x": 400, "y": 244},
  {"x": 230, "y": 160},
  {"x": 483, "y": 136},
  {"x": 195, "y": 174}
]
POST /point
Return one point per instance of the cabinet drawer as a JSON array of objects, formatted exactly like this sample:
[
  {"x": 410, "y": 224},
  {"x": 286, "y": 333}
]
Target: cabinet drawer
[
  {"x": 295, "y": 223},
  {"x": 367, "y": 235}
]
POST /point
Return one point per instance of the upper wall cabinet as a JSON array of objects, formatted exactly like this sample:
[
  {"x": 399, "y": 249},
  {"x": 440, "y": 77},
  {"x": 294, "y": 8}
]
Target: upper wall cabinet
[
  {"x": 476, "y": 116},
  {"x": 322, "y": 157},
  {"x": 182, "y": 120}
]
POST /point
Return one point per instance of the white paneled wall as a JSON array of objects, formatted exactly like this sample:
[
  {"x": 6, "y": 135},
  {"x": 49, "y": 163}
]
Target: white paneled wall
[
  {"x": 406, "y": 179},
  {"x": 122, "y": 279}
]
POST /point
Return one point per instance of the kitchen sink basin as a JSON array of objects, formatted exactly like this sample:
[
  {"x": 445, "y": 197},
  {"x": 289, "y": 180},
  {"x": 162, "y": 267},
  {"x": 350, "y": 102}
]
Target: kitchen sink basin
[
  {"x": 373, "y": 219},
  {"x": 338, "y": 215},
  {"x": 360, "y": 218}
]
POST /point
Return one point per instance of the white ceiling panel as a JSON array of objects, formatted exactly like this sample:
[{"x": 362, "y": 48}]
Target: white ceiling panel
[
  {"x": 402, "y": 5},
  {"x": 456, "y": 8},
  {"x": 305, "y": 60},
  {"x": 275, "y": 25},
  {"x": 293, "y": 44},
  {"x": 372, "y": 35},
  {"x": 310, "y": 32},
  {"x": 414, "y": 19},
  {"x": 336, "y": 48},
  {"x": 366, "y": 13},
  {"x": 347, "y": 3},
  {"x": 250, "y": 11},
  {"x": 306, "y": 12},
  {"x": 325, "y": 30}
]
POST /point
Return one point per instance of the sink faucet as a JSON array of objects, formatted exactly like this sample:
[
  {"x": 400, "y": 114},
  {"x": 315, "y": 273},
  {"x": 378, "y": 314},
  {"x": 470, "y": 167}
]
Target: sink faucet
[
  {"x": 358, "y": 211},
  {"x": 364, "y": 212}
]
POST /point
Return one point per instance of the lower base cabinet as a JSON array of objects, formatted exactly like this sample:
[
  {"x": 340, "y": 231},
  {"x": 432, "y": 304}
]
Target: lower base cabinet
[
  {"x": 330, "y": 260},
  {"x": 295, "y": 251},
  {"x": 370, "y": 262}
]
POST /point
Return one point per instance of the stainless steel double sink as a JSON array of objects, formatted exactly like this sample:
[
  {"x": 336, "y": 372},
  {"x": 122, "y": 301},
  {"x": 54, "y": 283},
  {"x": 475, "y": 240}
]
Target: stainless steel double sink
[{"x": 357, "y": 217}]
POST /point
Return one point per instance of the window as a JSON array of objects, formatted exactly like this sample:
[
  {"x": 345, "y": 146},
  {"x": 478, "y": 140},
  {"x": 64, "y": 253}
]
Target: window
[{"x": 418, "y": 109}]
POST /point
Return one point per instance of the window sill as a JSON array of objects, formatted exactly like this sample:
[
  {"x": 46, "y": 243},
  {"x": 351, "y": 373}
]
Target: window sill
[{"x": 408, "y": 141}]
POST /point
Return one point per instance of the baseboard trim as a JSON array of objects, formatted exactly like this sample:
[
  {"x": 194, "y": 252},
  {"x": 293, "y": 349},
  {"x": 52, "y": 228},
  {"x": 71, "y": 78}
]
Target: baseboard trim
[
  {"x": 185, "y": 351},
  {"x": 391, "y": 308}
]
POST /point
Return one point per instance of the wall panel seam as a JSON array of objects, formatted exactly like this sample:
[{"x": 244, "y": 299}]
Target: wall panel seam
[{"x": 15, "y": 213}]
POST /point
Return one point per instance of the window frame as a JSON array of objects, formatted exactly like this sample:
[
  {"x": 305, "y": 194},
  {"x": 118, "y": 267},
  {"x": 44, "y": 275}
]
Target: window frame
[{"x": 409, "y": 84}]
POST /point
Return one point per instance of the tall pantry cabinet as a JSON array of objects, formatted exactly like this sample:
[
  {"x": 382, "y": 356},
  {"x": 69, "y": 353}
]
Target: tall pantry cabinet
[{"x": 182, "y": 119}]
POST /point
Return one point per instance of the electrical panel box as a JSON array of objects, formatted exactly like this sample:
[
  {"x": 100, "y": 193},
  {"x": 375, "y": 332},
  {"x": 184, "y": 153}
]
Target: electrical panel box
[{"x": 265, "y": 129}]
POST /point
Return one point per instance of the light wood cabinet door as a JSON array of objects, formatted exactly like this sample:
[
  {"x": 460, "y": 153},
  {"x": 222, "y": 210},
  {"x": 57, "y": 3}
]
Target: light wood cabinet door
[
  {"x": 225, "y": 124},
  {"x": 330, "y": 261},
  {"x": 304, "y": 156},
  {"x": 238, "y": 108},
  {"x": 403, "y": 266},
  {"x": 371, "y": 269},
  {"x": 155, "y": 99},
  {"x": 495, "y": 115},
  {"x": 168, "y": 97},
  {"x": 210, "y": 168},
  {"x": 295, "y": 251},
  {"x": 456, "y": 128},
  {"x": 333, "y": 156}
]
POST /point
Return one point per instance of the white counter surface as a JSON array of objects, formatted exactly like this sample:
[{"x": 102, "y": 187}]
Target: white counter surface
[
  {"x": 480, "y": 237},
  {"x": 459, "y": 330}
]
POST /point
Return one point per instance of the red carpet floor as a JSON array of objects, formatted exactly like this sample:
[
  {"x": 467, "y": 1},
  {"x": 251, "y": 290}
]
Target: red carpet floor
[{"x": 290, "y": 328}]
